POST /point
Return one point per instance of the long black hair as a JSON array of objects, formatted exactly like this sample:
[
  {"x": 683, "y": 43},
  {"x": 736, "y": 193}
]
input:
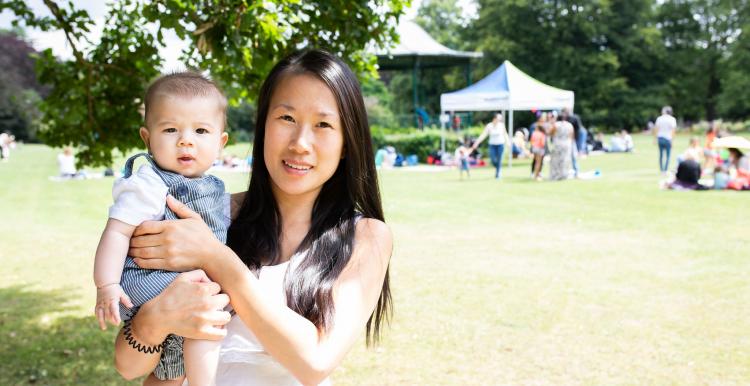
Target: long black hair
[{"x": 351, "y": 191}]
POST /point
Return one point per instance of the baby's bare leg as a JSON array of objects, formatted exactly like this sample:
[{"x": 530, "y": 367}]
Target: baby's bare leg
[
  {"x": 153, "y": 381},
  {"x": 201, "y": 359}
]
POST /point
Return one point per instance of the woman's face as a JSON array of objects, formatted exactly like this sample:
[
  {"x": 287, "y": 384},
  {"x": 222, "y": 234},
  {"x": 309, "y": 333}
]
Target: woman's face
[{"x": 304, "y": 140}]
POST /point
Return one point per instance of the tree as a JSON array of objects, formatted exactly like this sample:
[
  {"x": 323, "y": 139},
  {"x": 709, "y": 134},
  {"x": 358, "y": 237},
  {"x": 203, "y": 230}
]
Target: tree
[
  {"x": 19, "y": 89},
  {"x": 94, "y": 98},
  {"x": 734, "y": 99},
  {"x": 698, "y": 35},
  {"x": 562, "y": 43}
]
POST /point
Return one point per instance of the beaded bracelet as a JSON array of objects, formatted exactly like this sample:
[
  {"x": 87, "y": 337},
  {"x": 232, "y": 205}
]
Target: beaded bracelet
[{"x": 127, "y": 332}]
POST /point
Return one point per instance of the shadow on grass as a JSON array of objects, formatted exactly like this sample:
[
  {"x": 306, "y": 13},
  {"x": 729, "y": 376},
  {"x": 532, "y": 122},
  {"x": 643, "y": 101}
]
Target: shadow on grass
[{"x": 41, "y": 345}]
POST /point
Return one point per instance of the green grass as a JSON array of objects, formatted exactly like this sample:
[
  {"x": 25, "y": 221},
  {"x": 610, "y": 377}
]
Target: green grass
[{"x": 599, "y": 282}]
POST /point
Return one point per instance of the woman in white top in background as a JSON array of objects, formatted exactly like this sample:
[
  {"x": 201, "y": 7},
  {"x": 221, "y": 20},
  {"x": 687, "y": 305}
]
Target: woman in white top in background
[
  {"x": 664, "y": 129},
  {"x": 306, "y": 260},
  {"x": 498, "y": 138}
]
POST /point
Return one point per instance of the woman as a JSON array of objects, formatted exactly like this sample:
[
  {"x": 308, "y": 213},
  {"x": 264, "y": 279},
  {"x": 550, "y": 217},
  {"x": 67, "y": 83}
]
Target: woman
[
  {"x": 562, "y": 135},
  {"x": 739, "y": 165},
  {"x": 308, "y": 266},
  {"x": 498, "y": 138}
]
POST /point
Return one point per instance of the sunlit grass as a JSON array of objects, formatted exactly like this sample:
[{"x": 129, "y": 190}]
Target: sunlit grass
[{"x": 603, "y": 282}]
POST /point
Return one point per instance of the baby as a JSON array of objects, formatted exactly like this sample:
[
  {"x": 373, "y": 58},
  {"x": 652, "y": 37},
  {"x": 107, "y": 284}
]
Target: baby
[{"x": 185, "y": 115}]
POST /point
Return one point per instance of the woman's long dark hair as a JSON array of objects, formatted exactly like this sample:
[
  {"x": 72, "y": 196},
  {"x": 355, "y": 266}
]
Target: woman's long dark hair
[{"x": 351, "y": 191}]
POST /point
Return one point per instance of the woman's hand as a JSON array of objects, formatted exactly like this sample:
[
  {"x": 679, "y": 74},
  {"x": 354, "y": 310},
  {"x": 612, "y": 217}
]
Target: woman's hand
[
  {"x": 191, "y": 306},
  {"x": 173, "y": 245}
]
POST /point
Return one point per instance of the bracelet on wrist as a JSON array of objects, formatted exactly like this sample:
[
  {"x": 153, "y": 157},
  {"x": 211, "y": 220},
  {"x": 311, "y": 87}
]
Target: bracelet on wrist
[{"x": 127, "y": 332}]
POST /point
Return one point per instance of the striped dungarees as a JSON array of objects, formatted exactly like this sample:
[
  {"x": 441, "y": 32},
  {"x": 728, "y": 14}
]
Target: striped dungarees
[{"x": 205, "y": 196}]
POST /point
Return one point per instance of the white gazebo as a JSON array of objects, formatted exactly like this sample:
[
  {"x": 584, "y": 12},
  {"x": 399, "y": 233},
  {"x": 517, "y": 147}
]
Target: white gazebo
[{"x": 507, "y": 89}]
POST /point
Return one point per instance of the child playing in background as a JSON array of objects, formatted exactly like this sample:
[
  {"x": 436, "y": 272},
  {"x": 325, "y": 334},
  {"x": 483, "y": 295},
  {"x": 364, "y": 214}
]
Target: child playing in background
[
  {"x": 538, "y": 141},
  {"x": 185, "y": 117},
  {"x": 462, "y": 160}
]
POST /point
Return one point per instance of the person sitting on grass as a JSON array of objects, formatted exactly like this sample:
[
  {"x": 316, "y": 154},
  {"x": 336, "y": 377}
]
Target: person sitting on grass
[
  {"x": 66, "y": 163},
  {"x": 599, "y": 143},
  {"x": 693, "y": 152},
  {"x": 688, "y": 174},
  {"x": 628, "y": 140},
  {"x": 617, "y": 143},
  {"x": 739, "y": 165},
  {"x": 721, "y": 177},
  {"x": 519, "y": 146},
  {"x": 184, "y": 133}
]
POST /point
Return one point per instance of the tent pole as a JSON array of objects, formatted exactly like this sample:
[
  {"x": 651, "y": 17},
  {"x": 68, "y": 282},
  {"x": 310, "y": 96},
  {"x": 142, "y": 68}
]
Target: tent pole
[
  {"x": 467, "y": 69},
  {"x": 509, "y": 146},
  {"x": 442, "y": 134},
  {"x": 414, "y": 83}
]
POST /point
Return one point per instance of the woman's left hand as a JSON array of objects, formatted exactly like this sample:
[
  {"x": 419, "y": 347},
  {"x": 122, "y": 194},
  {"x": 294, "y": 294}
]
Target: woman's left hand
[{"x": 173, "y": 245}]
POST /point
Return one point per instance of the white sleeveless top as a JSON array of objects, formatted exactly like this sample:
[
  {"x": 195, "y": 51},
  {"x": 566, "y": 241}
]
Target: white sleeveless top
[
  {"x": 496, "y": 133},
  {"x": 242, "y": 359}
]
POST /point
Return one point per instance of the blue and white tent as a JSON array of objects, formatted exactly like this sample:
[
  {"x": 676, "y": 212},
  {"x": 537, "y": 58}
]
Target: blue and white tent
[{"x": 507, "y": 89}]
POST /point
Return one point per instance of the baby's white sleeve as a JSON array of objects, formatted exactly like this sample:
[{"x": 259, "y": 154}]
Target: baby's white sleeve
[{"x": 138, "y": 198}]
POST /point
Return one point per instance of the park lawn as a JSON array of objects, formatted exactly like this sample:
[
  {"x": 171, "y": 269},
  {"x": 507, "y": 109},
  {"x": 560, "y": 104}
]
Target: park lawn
[{"x": 609, "y": 281}]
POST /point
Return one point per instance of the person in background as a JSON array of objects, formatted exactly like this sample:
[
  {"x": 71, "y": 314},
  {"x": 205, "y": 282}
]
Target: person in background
[
  {"x": 519, "y": 146},
  {"x": 599, "y": 143},
  {"x": 538, "y": 145},
  {"x": 709, "y": 153},
  {"x": 664, "y": 130},
  {"x": 687, "y": 176},
  {"x": 721, "y": 177},
  {"x": 5, "y": 141},
  {"x": 456, "y": 122},
  {"x": 739, "y": 170},
  {"x": 462, "y": 159},
  {"x": 627, "y": 140},
  {"x": 66, "y": 163},
  {"x": 563, "y": 152},
  {"x": 579, "y": 137},
  {"x": 693, "y": 152},
  {"x": 498, "y": 138}
]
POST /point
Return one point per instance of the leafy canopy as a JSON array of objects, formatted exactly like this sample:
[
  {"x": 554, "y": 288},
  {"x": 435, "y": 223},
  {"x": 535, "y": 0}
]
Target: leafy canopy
[{"x": 94, "y": 98}]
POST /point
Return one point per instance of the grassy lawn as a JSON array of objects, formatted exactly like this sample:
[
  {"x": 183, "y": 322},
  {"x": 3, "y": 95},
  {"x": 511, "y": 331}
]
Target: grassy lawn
[{"x": 599, "y": 282}]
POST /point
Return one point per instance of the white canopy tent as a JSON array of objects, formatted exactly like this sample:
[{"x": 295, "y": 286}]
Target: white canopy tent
[{"x": 507, "y": 89}]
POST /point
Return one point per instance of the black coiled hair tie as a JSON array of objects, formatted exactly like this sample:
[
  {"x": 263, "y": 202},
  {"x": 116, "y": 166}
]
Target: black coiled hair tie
[{"x": 127, "y": 332}]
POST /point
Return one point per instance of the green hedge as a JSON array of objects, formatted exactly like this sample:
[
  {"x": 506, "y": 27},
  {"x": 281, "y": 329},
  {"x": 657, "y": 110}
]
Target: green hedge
[{"x": 421, "y": 143}]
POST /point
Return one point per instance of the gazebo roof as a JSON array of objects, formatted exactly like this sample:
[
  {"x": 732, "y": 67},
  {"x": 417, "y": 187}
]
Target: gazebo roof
[{"x": 416, "y": 45}]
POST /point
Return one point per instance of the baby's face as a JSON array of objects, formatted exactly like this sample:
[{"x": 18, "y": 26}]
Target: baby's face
[{"x": 185, "y": 134}]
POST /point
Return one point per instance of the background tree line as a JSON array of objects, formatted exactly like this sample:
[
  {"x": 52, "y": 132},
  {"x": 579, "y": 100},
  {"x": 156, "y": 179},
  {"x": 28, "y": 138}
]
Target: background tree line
[{"x": 623, "y": 58}]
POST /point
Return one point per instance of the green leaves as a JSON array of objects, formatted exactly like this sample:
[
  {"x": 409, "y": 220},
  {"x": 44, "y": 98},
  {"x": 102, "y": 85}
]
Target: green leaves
[{"x": 94, "y": 99}]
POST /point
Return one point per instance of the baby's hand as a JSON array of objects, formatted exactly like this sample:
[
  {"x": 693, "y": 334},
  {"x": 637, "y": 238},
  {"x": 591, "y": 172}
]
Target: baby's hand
[{"x": 107, "y": 308}]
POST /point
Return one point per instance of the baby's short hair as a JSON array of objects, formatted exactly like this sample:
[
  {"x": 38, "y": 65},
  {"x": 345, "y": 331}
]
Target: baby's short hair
[{"x": 184, "y": 84}]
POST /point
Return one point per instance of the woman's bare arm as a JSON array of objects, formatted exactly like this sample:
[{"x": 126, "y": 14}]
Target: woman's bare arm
[
  {"x": 290, "y": 338},
  {"x": 190, "y": 306},
  {"x": 293, "y": 340}
]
